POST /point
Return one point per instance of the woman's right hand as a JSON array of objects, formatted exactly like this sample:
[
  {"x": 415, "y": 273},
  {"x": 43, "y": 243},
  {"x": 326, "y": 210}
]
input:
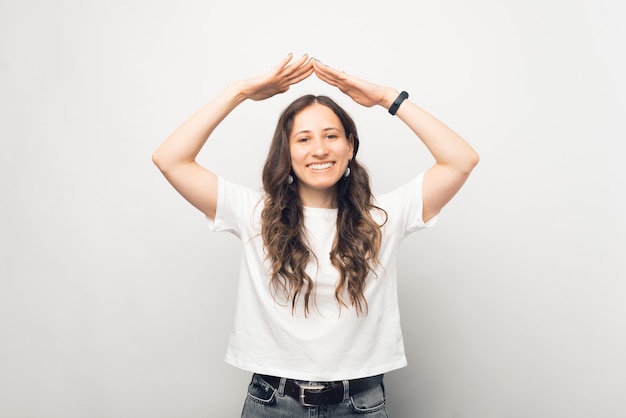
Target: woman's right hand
[
  {"x": 176, "y": 156},
  {"x": 278, "y": 80}
]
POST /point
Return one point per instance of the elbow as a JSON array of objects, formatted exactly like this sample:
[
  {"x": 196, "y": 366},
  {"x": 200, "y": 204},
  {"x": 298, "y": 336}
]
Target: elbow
[
  {"x": 157, "y": 160},
  {"x": 470, "y": 161},
  {"x": 474, "y": 160},
  {"x": 161, "y": 159},
  {"x": 162, "y": 162},
  {"x": 168, "y": 163}
]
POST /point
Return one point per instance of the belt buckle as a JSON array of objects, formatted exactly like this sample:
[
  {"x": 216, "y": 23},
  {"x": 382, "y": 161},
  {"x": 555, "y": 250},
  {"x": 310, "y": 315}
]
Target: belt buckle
[{"x": 303, "y": 394}]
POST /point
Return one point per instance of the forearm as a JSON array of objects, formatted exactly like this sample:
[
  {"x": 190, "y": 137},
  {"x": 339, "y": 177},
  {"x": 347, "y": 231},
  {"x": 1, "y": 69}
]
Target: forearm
[
  {"x": 446, "y": 146},
  {"x": 184, "y": 144}
]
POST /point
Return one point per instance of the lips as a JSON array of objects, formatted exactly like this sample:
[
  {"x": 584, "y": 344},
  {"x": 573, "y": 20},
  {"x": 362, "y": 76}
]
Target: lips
[{"x": 320, "y": 166}]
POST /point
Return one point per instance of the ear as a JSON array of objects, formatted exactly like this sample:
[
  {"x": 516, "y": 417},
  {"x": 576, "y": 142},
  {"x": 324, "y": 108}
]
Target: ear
[{"x": 351, "y": 146}]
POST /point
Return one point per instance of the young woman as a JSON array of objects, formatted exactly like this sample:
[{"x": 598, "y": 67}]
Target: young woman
[{"x": 317, "y": 318}]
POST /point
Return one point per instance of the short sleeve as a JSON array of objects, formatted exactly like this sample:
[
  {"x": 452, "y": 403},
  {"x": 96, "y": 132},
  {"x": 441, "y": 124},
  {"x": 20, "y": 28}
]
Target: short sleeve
[
  {"x": 235, "y": 207},
  {"x": 404, "y": 207}
]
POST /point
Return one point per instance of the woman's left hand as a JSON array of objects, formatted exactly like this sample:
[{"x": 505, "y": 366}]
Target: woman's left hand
[{"x": 361, "y": 91}]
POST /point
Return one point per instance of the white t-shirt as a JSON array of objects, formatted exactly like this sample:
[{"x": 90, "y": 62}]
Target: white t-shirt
[{"x": 332, "y": 342}]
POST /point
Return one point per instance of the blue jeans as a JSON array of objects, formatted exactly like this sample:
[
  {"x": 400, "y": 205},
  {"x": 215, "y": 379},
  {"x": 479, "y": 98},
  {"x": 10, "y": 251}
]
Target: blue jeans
[{"x": 265, "y": 401}]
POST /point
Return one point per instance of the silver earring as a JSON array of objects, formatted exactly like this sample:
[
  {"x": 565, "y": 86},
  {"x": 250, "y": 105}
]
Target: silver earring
[
  {"x": 347, "y": 173},
  {"x": 289, "y": 179}
]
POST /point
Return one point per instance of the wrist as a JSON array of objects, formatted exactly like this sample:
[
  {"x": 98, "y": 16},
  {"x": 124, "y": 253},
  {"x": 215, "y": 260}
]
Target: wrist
[
  {"x": 398, "y": 102},
  {"x": 237, "y": 92},
  {"x": 388, "y": 98}
]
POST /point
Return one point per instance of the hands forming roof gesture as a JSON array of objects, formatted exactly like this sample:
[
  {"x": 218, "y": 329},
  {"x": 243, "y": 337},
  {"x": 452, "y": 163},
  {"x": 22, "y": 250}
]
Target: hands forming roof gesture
[{"x": 287, "y": 73}]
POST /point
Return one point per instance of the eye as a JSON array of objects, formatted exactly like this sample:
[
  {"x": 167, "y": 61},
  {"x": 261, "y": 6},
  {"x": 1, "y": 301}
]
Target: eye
[
  {"x": 331, "y": 136},
  {"x": 303, "y": 139}
]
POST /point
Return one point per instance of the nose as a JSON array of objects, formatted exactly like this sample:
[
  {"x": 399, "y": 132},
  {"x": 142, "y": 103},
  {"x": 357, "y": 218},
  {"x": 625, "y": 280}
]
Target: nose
[{"x": 319, "y": 148}]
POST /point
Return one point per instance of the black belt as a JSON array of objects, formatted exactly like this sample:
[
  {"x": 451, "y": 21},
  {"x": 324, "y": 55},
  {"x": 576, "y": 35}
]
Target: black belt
[{"x": 323, "y": 393}]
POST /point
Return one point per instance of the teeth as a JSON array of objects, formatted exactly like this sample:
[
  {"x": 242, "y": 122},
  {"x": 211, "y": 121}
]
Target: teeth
[{"x": 320, "y": 166}]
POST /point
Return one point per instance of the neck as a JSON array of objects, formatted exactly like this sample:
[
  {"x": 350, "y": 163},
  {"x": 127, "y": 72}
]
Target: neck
[{"x": 318, "y": 198}]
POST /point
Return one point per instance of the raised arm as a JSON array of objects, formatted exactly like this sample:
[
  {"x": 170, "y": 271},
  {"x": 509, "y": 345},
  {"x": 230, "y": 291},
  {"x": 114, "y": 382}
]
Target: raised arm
[
  {"x": 176, "y": 156},
  {"x": 454, "y": 157}
]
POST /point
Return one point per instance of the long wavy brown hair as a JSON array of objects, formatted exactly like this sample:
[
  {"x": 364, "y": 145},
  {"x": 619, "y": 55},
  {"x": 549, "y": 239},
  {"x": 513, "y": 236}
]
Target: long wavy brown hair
[{"x": 357, "y": 243}]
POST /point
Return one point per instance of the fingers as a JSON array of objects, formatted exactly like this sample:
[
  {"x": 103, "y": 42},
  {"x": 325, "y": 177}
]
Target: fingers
[
  {"x": 283, "y": 63},
  {"x": 302, "y": 69},
  {"x": 302, "y": 66},
  {"x": 303, "y": 59},
  {"x": 329, "y": 74},
  {"x": 286, "y": 60},
  {"x": 287, "y": 69},
  {"x": 305, "y": 65},
  {"x": 289, "y": 72},
  {"x": 361, "y": 91},
  {"x": 294, "y": 72},
  {"x": 302, "y": 73}
]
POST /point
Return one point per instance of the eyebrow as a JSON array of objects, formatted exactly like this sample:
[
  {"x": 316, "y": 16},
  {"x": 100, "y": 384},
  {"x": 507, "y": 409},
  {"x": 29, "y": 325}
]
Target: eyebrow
[{"x": 306, "y": 131}]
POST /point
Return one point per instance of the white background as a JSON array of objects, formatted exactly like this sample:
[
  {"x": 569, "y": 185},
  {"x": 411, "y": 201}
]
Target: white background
[{"x": 115, "y": 300}]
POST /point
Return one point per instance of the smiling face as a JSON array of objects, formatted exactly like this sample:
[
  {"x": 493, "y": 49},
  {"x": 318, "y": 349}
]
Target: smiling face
[{"x": 320, "y": 153}]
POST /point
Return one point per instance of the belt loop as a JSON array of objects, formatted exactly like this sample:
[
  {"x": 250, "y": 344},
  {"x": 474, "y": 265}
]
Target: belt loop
[
  {"x": 346, "y": 390},
  {"x": 281, "y": 386}
]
